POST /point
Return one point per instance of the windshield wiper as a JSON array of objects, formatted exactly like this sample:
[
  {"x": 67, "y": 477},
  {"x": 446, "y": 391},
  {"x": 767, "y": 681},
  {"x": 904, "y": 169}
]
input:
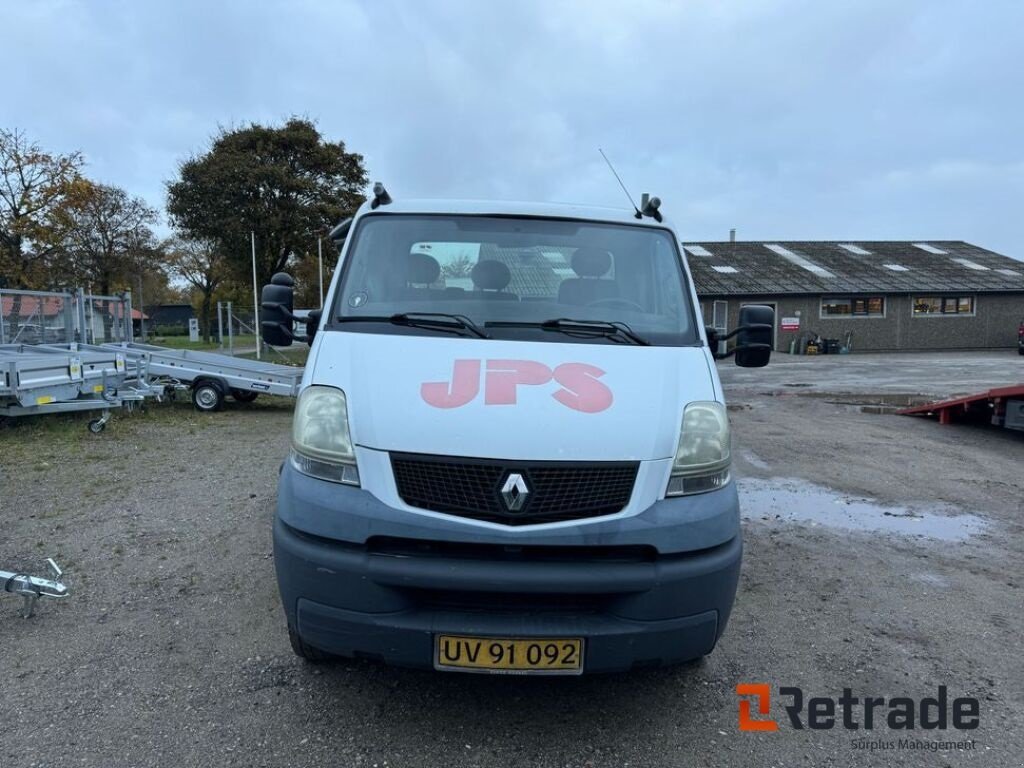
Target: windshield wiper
[
  {"x": 442, "y": 321},
  {"x": 612, "y": 329}
]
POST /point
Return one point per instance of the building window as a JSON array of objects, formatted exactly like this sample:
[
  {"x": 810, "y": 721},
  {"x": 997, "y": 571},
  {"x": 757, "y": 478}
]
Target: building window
[
  {"x": 853, "y": 306},
  {"x": 943, "y": 305}
]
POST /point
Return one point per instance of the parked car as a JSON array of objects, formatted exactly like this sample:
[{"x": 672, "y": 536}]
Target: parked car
[{"x": 511, "y": 450}]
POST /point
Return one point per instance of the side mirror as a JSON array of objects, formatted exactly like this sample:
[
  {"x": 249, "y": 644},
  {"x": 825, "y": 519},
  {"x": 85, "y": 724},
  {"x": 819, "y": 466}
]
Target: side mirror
[
  {"x": 313, "y": 324},
  {"x": 754, "y": 336},
  {"x": 276, "y": 304}
]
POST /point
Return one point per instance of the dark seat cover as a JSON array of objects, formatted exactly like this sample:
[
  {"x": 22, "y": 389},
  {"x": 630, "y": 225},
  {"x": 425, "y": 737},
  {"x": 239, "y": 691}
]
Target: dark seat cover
[{"x": 591, "y": 264}]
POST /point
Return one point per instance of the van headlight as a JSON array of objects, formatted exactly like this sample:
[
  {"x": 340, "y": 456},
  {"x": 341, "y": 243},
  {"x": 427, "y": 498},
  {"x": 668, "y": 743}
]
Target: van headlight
[
  {"x": 321, "y": 440},
  {"x": 703, "y": 456}
]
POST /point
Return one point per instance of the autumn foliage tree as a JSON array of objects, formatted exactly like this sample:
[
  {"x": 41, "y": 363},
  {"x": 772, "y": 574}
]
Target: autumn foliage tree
[
  {"x": 34, "y": 184},
  {"x": 105, "y": 237},
  {"x": 287, "y": 184}
]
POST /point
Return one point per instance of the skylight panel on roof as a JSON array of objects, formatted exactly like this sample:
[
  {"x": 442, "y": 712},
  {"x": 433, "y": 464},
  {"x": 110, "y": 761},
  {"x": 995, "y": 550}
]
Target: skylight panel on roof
[
  {"x": 724, "y": 269},
  {"x": 971, "y": 265},
  {"x": 854, "y": 249},
  {"x": 929, "y": 248},
  {"x": 800, "y": 261},
  {"x": 697, "y": 250},
  {"x": 1009, "y": 272},
  {"x": 896, "y": 267}
]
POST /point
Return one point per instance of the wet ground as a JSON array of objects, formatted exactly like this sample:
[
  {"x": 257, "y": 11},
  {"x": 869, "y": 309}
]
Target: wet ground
[
  {"x": 798, "y": 501},
  {"x": 883, "y": 554}
]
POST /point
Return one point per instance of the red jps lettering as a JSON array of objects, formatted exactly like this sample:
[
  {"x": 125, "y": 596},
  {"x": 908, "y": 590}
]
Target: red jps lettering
[{"x": 579, "y": 387}]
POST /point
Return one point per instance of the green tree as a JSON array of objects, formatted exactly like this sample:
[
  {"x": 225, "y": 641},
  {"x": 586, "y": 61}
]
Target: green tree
[{"x": 287, "y": 184}]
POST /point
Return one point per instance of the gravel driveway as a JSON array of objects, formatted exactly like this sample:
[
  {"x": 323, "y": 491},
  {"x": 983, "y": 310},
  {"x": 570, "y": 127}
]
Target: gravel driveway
[{"x": 883, "y": 555}]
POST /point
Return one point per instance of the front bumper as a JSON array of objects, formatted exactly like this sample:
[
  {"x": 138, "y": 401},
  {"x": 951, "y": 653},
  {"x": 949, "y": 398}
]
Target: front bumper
[{"x": 634, "y": 603}]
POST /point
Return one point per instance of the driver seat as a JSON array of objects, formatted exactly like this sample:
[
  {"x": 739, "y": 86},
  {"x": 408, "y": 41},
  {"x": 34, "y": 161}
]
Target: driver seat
[{"x": 591, "y": 264}]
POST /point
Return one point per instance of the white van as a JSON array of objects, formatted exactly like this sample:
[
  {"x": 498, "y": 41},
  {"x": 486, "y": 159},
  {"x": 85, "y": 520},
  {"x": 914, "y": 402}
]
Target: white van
[{"x": 511, "y": 450}]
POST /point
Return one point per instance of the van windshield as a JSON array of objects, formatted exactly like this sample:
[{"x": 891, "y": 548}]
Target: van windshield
[{"x": 514, "y": 278}]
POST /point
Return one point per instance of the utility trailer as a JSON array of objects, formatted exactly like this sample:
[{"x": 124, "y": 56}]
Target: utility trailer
[
  {"x": 35, "y": 381},
  {"x": 1001, "y": 407},
  {"x": 127, "y": 374},
  {"x": 212, "y": 377}
]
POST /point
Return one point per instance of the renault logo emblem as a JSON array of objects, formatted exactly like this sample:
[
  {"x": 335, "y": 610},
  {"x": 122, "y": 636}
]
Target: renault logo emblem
[{"x": 514, "y": 492}]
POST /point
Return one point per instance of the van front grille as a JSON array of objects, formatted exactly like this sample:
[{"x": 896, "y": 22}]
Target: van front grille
[{"x": 554, "y": 490}]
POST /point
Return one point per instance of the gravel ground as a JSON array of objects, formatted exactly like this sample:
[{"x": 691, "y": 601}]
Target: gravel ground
[{"x": 172, "y": 649}]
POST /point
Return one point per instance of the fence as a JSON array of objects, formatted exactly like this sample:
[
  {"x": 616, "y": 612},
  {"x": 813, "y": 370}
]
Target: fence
[
  {"x": 62, "y": 317},
  {"x": 235, "y": 328}
]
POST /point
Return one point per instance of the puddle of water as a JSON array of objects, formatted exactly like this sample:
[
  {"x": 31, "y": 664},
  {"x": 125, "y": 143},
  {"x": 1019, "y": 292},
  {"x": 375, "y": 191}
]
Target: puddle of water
[{"x": 802, "y": 502}]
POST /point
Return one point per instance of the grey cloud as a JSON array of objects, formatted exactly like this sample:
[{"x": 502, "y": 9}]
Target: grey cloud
[{"x": 786, "y": 119}]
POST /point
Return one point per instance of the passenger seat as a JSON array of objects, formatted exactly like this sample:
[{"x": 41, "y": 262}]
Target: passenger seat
[
  {"x": 591, "y": 264},
  {"x": 490, "y": 279}
]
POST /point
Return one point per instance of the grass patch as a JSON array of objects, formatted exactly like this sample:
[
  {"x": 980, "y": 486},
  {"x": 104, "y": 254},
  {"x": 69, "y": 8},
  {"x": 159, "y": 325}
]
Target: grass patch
[
  {"x": 246, "y": 341},
  {"x": 282, "y": 356}
]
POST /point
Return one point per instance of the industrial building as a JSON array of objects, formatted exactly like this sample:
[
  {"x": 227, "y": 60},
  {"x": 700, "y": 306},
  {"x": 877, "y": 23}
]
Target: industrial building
[{"x": 868, "y": 296}]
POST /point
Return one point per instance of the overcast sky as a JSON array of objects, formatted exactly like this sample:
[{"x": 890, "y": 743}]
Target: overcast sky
[{"x": 786, "y": 119}]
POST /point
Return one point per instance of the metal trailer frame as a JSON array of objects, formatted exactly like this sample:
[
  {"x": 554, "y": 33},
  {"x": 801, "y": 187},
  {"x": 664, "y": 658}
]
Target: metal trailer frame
[
  {"x": 211, "y": 376},
  {"x": 136, "y": 379},
  {"x": 102, "y": 370},
  {"x": 36, "y": 380},
  {"x": 78, "y": 311}
]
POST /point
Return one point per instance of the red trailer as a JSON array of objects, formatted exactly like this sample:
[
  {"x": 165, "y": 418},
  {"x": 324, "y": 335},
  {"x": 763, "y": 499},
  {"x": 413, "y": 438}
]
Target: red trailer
[{"x": 1002, "y": 407}]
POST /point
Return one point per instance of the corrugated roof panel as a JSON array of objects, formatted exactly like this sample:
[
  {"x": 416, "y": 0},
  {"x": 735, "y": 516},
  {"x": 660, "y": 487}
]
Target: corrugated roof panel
[
  {"x": 697, "y": 250},
  {"x": 854, "y": 249},
  {"x": 971, "y": 265},
  {"x": 896, "y": 267},
  {"x": 724, "y": 269},
  {"x": 929, "y": 248},
  {"x": 800, "y": 261},
  {"x": 1009, "y": 272}
]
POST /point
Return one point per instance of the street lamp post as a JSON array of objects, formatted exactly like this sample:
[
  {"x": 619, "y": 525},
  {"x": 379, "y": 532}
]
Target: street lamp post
[
  {"x": 142, "y": 311},
  {"x": 320, "y": 259},
  {"x": 255, "y": 296}
]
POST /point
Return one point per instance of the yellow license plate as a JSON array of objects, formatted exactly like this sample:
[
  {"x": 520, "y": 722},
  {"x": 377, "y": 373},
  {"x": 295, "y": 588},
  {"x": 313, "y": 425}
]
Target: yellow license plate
[{"x": 510, "y": 656}]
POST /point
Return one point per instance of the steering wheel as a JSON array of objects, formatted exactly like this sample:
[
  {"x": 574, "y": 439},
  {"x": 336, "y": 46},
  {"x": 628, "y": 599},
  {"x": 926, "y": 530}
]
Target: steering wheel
[{"x": 612, "y": 302}]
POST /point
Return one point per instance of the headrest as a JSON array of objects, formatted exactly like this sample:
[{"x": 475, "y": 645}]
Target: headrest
[
  {"x": 283, "y": 278},
  {"x": 591, "y": 262},
  {"x": 422, "y": 268},
  {"x": 490, "y": 275}
]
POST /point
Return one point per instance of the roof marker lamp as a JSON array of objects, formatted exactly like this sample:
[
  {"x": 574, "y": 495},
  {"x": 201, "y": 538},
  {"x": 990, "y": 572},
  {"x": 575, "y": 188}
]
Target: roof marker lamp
[
  {"x": 321, "y": 440},
  {"x": 703, "y": 456}
]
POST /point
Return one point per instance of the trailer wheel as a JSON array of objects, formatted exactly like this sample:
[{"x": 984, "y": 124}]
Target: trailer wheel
[
  {"x": 244, "y": 395},
  {"x": 305, "y": 651},
  {"x": 97, "y": 425},
  {"x": 207, "y": 396}
]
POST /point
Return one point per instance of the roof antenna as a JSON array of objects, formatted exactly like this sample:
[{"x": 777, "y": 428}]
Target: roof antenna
[{"x": 612, "y": 168}]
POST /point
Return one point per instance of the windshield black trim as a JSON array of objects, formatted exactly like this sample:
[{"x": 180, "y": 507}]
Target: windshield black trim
[{"x": 355, "y": 231}]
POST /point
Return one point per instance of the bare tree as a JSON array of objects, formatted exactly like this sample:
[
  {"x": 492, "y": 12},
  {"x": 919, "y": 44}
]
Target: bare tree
[{"x": 203, "y": 266}]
